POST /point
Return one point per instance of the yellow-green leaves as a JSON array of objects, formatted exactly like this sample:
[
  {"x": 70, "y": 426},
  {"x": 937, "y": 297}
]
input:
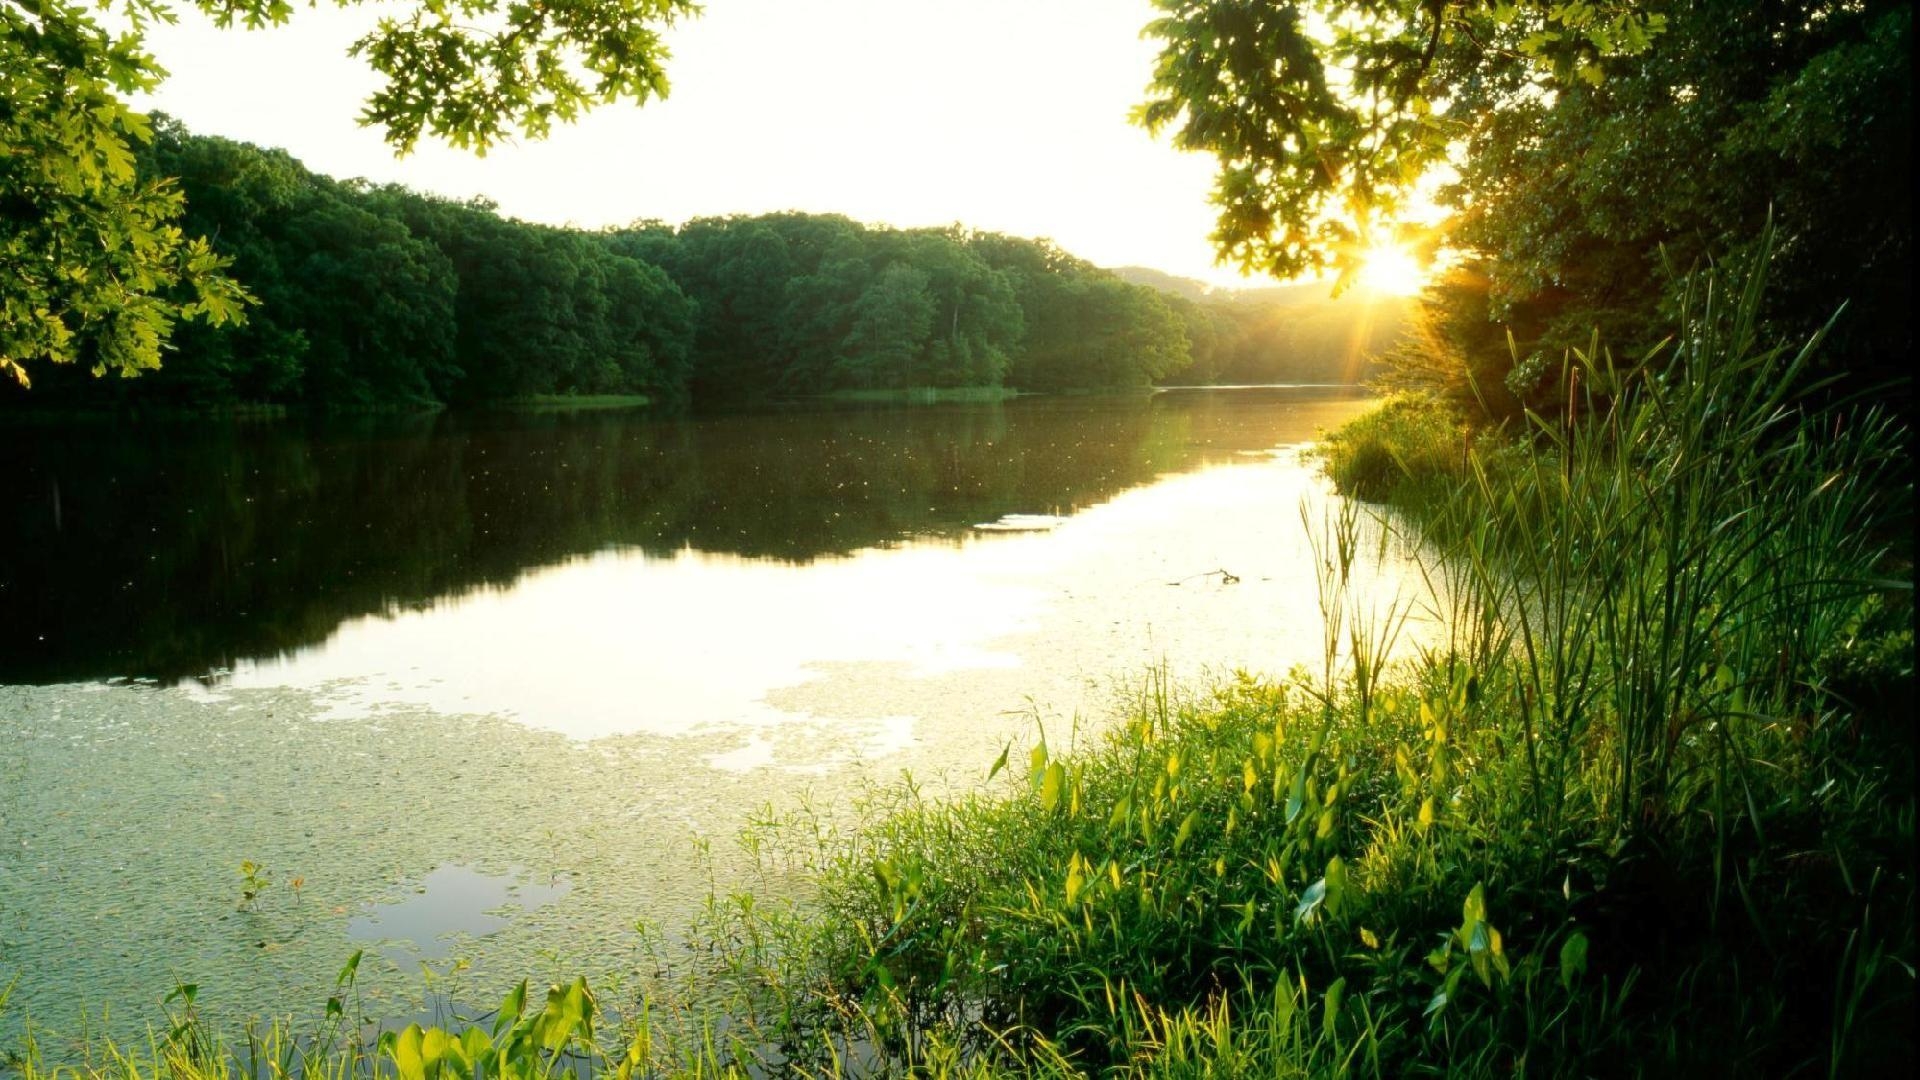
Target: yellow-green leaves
[
  {"x": 1336, "y": 886},
  {"x": 518, "y": 1047},
  {"x": 1076, "y": 877},
  {"x": 545, "y": 63},
  {"x": 1486, "y": 952},
  {"x": 1328, "y": 895},
  {"x": 1475, "y": 946},
  {"x": 1186, "y": 829},
  {"x": 568, "y": 1015},
  {"x": 1052, "y": 783},
  {"x": 404, "y": 1050},
  {"x": 1297, "y": 795},
  {"x": 1049, "y": 779},
  {"x": 91, "y": 265}
]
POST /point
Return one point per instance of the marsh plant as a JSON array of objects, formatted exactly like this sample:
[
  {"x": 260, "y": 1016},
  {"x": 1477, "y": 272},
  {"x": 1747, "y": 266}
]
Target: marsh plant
[{"x": 254, "y": 880}]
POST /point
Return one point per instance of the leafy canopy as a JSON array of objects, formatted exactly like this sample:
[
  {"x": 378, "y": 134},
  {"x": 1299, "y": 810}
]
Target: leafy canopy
[
  {"x": 93, "y": 267},
  {"x": 1324, "y": 115},
  {"x": 1591, "y": 152}
]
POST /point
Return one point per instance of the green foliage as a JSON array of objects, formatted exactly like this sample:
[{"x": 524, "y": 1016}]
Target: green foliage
[
  {"x": 1299, "y": 333},
  {"x": 1323, "y": 116},
  {"x": 1599, "y": 154},
  {"x": 796, "y": 304},
  {"x": 1584, "y": 211},
  {"x": 379, "y": 298},
  {"x": 94, "y": 267},
  {"x": 891, "y": 321},
  {"x": 536, "y": 64},
  {"x": 253, "y": 882},
  {"x": 542, "y": 310},
  {"x": 1404, "y": 452}
]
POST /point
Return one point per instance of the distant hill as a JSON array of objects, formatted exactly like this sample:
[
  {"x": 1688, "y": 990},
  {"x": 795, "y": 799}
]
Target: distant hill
[
  {"x": 1185, "y": 287},
  {"x": 1293, "y": 332}
]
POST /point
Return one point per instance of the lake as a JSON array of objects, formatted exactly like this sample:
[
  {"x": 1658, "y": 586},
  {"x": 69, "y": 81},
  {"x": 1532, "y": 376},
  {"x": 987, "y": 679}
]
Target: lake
[{"x": 481, "y": 692}]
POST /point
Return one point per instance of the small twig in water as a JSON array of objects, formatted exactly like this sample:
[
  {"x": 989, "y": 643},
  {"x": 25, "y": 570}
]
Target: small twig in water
[{"x": 1227, "y": 577}]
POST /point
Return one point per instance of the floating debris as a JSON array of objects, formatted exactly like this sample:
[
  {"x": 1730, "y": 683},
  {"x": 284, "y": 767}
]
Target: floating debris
[{"x": 1227, "y": 577}]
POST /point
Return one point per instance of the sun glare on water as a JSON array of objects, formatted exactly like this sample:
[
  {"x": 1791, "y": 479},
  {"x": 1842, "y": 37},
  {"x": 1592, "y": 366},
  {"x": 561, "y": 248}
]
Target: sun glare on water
[{"x": 1390, "y": 269}]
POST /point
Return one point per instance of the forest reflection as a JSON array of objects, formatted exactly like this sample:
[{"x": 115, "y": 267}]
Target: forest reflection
[{"x": 171, "y": 550}]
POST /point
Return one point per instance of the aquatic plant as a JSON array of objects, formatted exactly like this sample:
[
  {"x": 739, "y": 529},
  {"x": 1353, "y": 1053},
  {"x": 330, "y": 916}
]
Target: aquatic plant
[{"x": 253, "y": 882}]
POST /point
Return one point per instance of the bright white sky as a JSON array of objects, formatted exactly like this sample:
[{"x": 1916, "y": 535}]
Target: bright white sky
[{"x": 1008, "y": 115}]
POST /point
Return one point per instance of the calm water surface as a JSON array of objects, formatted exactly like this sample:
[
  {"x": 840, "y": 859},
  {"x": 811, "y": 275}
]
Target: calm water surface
[{"x": 479, "y": 683}]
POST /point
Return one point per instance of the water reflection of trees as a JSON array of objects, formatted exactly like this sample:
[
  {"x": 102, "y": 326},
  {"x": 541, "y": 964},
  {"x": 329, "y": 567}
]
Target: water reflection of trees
[{"x": 170, "y": 550}]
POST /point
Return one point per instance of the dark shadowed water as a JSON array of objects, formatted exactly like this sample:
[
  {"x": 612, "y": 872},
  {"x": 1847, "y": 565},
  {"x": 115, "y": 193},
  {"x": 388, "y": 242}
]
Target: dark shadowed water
[{"x": 171, "y": 550}]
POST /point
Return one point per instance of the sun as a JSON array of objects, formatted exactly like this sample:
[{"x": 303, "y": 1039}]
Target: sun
[{"x": 1388, "y": 268}]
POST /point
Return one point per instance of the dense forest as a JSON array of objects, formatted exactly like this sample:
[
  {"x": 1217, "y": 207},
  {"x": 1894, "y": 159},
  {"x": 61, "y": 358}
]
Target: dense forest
[{"x": 380, "y": 297}]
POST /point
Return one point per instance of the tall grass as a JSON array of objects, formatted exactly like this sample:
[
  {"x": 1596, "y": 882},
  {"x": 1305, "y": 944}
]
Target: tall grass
[{"x": 1670, "y": 565}]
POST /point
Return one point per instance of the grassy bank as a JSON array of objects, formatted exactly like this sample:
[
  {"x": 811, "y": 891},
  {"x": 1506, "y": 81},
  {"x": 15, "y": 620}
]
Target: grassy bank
[{"x": 1643, "y": 803}]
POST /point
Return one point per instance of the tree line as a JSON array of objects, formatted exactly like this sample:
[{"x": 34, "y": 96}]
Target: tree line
[{"x": 376, "y": 296}]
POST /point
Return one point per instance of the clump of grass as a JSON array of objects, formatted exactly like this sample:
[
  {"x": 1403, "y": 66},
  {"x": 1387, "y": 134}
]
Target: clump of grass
[{"x": 1407, "y": 450}]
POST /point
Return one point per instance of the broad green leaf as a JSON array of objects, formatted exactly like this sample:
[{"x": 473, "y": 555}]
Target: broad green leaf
[
  {"x": 1336, "y": 880},
  {"x": 405, "y": 1052},
  {"x": 510, "y": 1011},
  {"x": 1335, "y": 995},
  {"x": 1052, "y": 782},
  {"x": 1308, "y": 909},
  {"x": 1474, "y": 909},
  {"x": 1573, "y": 959},
  {"x": 433, "y": 1047}
]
